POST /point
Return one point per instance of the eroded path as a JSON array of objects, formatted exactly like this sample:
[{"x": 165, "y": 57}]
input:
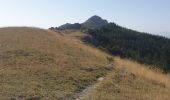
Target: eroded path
[{"x": 86, "y": 92}]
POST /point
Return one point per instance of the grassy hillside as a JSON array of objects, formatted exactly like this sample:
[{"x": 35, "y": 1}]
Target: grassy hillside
[
  {"x": 128, "y": 81},
  {"x": 132, "y": 81},
  {"x": 37, "y": 64},
  {"x": 45, "y": 65}
]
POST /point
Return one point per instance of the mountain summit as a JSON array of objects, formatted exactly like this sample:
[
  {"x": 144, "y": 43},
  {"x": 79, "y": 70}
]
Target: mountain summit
[{"x": 94, "y": 22}]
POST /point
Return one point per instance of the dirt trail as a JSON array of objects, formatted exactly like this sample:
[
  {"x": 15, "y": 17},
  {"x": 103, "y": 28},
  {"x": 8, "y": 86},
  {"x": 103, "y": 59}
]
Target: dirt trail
[{"x": 86, "y": 92}]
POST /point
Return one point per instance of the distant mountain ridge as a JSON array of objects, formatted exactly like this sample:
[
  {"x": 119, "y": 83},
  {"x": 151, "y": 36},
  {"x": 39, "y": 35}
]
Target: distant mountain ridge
[
  {"x": 70, "y": 26},
  {"x": 92, "y": 23}
]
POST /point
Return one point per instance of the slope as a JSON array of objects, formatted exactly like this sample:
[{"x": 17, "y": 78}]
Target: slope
[
  {"x": 128, "y": 80},
  {"x": 132, "y": 81},
  {"x": 44, "y": 65},
  {"x": 37, "y": 64},
  {"x": 142, "y": 47}
]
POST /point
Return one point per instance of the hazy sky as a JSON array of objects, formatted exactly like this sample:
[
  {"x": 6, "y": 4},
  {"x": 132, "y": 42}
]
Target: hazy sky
[{"x": 142, "y": 15}]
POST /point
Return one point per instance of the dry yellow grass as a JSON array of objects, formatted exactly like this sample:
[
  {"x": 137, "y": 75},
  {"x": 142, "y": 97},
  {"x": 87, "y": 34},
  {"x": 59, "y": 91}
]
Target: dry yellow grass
[
  {"x": 45, "y": 65},
  {"x": 36, "y": 63},
  {"x": 132, "y": 81},
  {"x": 143, "y": 71}
]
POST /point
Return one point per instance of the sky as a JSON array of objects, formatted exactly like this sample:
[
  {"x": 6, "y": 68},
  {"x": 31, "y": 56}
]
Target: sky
[{"x": 151, "y": 16}]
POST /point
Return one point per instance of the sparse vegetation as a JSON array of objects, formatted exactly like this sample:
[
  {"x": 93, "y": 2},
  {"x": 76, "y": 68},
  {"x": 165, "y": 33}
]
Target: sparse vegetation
[
  {"x": 132, "y": 81},
  {"x": 38, "y": 64},
  {"x": 45, "y": 65}
]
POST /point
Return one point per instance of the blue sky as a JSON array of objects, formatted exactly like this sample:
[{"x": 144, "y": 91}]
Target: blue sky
[{"x": 143, "y": 15}]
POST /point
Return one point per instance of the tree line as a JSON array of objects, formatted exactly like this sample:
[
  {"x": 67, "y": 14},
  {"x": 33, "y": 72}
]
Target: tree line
[{"x": 142, "y": 47}]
